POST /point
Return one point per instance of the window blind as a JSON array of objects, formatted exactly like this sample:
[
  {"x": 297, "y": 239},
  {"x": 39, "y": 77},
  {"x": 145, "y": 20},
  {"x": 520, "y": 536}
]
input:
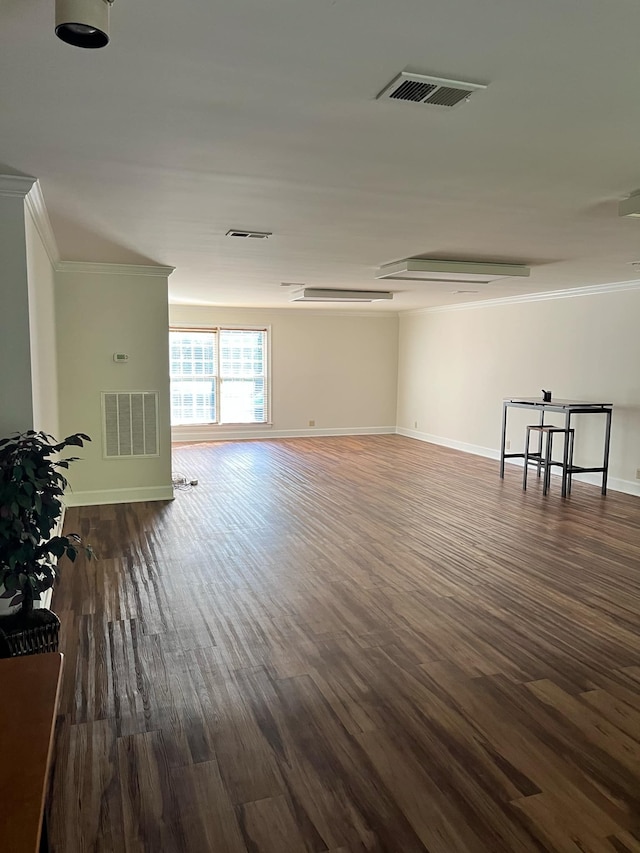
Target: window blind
[{"x": 219, "y": 376}]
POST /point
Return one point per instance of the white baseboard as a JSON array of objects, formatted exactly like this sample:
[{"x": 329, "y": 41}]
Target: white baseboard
[
  {"x": 179, "y": 434},
  {"x": 119, "y": 496},
  {"x": 615, "y": 484},
  {"x": 476, "y": 449}
]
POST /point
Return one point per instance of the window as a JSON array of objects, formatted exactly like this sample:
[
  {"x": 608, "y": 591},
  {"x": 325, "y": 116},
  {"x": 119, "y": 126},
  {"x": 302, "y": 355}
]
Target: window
[{"x": 218, "y": 376}]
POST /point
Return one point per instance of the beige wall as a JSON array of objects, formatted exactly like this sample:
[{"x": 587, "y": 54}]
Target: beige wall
[
  {"x": 16, "y": 405},
  {"x": 99, "y": 314},
  {"x": 339, "y": 370},
  {"x": 42, "y": 329},
  {"x": 456, "y": 366}
]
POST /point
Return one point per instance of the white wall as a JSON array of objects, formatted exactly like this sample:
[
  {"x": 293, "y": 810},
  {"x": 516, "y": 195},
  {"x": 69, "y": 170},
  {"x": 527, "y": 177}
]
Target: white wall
[
  {"x": 101, "y": 313},
  {"x": 16, "y": 406},
  {"x": 339, "y": 370},
  {"x": 456, "y": 366},
  {"x": 42, "y": 331}
]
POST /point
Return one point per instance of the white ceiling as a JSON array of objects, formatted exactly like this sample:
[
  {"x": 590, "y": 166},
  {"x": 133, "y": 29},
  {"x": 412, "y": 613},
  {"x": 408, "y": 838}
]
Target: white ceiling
[{"x": 202, "y": 116}]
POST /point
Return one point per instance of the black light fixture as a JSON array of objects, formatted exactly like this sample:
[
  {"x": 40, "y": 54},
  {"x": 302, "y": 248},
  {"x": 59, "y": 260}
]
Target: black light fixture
[{"x": 83, "y": 23}]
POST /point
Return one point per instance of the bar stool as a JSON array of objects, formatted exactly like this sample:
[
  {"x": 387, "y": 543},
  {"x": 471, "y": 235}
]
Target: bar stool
[{"x": 544, "y": 460}]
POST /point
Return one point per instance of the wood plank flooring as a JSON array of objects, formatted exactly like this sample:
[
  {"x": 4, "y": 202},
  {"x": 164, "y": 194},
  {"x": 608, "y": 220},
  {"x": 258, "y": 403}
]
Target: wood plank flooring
[{"x": 347, "y": 645}]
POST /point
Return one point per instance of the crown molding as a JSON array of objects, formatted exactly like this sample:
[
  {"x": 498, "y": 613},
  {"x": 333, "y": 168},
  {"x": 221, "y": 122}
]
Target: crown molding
[
  {"x": 113, "y": 269},
  {"x": 34, "y": 201},
  {"x": 569, "y": 293},
  {"x": 16, "y": 186}
]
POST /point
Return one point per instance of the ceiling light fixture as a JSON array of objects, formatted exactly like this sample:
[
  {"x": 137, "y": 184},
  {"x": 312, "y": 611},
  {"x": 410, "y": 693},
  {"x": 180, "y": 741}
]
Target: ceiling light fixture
[
  {"x": 315, "y": 294},
  {"x": 83, "y": 23},
  {"x": 421, "y": 269},
  {"x": 630, "y": 206}
]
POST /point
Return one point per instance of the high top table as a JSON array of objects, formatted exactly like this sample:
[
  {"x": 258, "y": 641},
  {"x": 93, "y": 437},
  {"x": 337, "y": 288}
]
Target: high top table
[
  {"x": 567, "y": 408},
  {"x": 29, "y": 687}
]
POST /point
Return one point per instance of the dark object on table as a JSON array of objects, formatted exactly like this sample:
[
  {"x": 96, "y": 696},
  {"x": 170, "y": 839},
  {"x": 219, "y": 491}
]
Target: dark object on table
[
  {"x": 29, "y": 633},
  {"x": 546, "y": 396}
]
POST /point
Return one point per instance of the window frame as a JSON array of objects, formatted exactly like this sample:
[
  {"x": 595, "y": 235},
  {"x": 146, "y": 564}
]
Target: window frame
[{"x": 216, "y": 329}]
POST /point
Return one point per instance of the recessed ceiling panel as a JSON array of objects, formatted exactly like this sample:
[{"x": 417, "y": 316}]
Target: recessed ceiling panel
[{"x": 419, "y": 269}]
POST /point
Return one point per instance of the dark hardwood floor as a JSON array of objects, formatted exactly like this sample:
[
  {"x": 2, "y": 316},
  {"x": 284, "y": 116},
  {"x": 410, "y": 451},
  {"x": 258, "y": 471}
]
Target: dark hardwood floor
[{"x": 351, "y": 644}]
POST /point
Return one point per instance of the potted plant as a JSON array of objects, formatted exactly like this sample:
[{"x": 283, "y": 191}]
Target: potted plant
[{"x": 31, "y": 488}]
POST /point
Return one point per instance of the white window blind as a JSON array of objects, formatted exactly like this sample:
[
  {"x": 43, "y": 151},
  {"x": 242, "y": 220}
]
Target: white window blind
[
  {"x": 194, "y": 373},
  {"x": 219, "y": 376}
]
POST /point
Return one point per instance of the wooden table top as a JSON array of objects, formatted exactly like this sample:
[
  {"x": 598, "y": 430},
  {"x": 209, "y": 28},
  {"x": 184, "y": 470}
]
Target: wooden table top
[{"x": 29, "y": 690}]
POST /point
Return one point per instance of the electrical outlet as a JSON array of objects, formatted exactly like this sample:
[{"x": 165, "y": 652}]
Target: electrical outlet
[
  {"x": 312, "y": 423},
  {"x": 508, "y": 446},
  {"x": 415, "y": 424},
  {"x": 638, "y": 474}
]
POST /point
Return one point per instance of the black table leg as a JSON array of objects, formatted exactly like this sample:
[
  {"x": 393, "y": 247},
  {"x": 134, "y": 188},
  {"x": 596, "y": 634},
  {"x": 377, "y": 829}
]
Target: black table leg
[
  {"x": 540, "y": 437},
  {"x": 605, "y": 462},
  {"x": 44, "y": 834},
  {"x": 504, "y": 438}
]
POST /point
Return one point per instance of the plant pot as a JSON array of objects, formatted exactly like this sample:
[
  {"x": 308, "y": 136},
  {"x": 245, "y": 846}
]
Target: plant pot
[
  {"x": 7, "y": 610},
  {"x": 29, "y": 633}
]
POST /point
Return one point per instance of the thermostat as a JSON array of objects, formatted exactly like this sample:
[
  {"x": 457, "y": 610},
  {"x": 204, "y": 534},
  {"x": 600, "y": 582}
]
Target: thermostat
[{"x": 120, "y": 357}]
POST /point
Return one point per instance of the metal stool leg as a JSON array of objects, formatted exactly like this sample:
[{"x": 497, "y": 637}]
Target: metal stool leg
[
  {"x": 547, "y": 464},
  {"x": 572, "y": 436},
  {"x": 526, "y": 460},
  {"x": 565, "y": 463},
  {"x": 540, "y": 440},
  {"x": 543, "y": 458}
]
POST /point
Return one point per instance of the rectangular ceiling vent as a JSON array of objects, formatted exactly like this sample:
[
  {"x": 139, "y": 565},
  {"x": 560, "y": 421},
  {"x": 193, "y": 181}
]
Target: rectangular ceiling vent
[
  {"x": 429, "y": 91},
  {"x": 256, "y": 235},
  {"x": 130, "y": 424}
]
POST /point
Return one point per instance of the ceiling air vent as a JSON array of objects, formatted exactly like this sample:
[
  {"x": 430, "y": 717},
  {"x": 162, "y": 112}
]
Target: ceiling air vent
[
  {"x": 429, "y": 91},
  {"x": 257, "y": 235}
]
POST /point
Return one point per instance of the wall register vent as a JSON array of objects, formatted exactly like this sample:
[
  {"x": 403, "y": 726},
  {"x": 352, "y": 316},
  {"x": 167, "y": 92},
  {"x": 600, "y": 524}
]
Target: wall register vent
[
  {"x": 256, "y": 235},
  {"x": 130, "y": 424},
  {"x": 428, "y": 91}
]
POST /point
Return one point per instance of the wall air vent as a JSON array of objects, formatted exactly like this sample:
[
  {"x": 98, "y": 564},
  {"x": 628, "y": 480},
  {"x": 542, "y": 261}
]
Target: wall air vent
[
  {"x": 428, "y": 91},
  {"x": 130, "y": 424},
  {"x": 256, "y": 235}
]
